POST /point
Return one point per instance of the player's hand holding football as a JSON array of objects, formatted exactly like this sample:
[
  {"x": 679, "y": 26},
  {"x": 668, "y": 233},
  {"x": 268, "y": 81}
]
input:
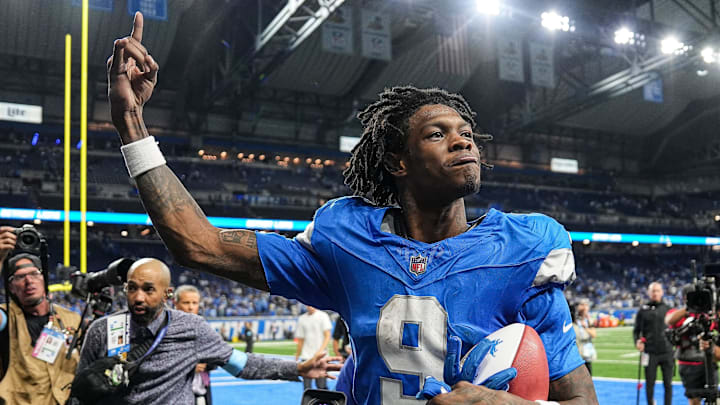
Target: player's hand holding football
[
  {"x": 465, "y": 393},
  {"x": 132, "y": 74},
  {"x": 457, "y": 371}
]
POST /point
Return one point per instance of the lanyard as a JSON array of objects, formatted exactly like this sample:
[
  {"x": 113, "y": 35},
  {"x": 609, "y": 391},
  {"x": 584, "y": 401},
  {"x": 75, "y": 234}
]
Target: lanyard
[
  {"x": 157, "y": 340},
  {"x": 53, "y": 317}
]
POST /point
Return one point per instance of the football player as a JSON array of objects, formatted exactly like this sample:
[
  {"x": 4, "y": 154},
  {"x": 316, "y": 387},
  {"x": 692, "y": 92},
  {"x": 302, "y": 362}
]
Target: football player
[{"x": 399, "y": 261}]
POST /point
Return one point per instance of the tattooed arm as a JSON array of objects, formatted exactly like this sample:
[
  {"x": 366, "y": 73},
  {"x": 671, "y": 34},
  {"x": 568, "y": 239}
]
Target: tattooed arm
[
  {"x": 190, "y": 238},
  {"x": 575, "y": 388}
]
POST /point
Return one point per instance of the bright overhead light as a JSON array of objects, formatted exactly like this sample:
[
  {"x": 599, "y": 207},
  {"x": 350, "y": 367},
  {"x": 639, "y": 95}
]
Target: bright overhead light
[
  {"x": 708, "y": 55},
  {"x": 671, "y": 45},
  {"x": 717, "y": 218},
  {"x": 624, "y": 36},
  {"x": 635, "y": 243},
  {"x": 702, "y": 72},
  {"x": 489, "y": 7},
  {"x": 586, "y": 242},
  {"x": 556, "y": 22}
]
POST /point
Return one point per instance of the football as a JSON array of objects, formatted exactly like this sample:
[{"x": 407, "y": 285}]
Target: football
[{"x": 517, "y": 345}]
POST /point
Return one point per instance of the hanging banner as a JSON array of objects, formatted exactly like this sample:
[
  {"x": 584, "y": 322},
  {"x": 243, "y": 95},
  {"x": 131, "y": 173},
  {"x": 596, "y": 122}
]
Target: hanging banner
[
  {"x": 376, "y": 39},
  {"x": 510, "y": 59},
  {"x": 542, "y": 68},
  {"x": 453, "y": 45},
  {"x": 21, "y": 113},
  {"x": 653, "y": 91},
  {"x": 337, "y": 32}
]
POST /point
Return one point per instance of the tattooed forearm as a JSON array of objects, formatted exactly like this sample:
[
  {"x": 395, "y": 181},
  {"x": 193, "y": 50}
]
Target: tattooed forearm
[
  {"x": 575, "y": 387},
  {"x": 188, "y": 235}
]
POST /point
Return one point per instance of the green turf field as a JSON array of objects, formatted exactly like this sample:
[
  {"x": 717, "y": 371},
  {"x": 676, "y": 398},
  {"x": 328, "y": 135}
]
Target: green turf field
[
  {"x": 617, "y": 356},
  {"x": 284, "y": 347}
]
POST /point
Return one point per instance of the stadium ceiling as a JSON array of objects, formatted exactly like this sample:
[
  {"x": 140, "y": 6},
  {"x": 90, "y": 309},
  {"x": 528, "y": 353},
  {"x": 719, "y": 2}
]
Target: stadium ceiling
[{"x": 211, "y": 64}]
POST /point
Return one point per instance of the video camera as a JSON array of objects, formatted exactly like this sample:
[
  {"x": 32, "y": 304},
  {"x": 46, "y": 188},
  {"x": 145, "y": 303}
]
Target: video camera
[
  {"x": 702, "y": 307},
  {"x": 701, "y": 296},
  {"x": 94, "y": 288}
]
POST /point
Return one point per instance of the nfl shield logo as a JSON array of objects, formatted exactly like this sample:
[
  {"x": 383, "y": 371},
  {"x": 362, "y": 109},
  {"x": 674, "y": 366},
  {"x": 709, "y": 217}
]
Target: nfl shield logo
[{"x": 418, "y": 264}]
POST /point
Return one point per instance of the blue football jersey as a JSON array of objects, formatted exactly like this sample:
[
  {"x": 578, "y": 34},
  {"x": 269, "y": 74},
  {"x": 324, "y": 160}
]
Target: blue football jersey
[{"x": 402, "y": 298}]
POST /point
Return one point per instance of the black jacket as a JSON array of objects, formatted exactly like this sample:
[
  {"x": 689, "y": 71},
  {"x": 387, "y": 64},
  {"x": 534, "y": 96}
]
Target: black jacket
[{"x": 650, "y": 324}]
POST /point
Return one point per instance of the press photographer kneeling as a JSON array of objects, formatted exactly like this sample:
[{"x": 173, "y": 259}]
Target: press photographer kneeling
[
  {"x": 147, "y": 355},
  {"x": 35, "y": 332},
  {"x": 693, "y": 331}
]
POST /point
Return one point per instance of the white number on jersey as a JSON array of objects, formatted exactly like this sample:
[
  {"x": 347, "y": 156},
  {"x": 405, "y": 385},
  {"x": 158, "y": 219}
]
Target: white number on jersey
[{"x": 425, "y": 359}]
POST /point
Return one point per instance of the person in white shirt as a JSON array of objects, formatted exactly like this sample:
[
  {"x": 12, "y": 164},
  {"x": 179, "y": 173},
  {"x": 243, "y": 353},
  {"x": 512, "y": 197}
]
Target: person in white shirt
[{"x": 313, "y": 336}]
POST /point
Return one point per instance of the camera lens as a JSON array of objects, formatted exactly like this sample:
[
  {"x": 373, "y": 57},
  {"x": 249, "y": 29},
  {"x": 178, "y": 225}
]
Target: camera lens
[{"x": 28, "y": 239}]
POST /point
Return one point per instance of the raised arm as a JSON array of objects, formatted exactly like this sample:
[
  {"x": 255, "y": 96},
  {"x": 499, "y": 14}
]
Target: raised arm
[{"x": 190, "y": 238}]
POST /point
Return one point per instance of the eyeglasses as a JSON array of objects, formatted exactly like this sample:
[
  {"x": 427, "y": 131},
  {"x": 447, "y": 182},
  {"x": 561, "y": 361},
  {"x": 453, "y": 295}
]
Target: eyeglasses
[{"x": 33, "y": 275}]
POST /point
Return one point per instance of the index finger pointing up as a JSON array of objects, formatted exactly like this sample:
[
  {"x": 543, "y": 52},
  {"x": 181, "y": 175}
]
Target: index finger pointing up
[{"x": 137, "y": 30}]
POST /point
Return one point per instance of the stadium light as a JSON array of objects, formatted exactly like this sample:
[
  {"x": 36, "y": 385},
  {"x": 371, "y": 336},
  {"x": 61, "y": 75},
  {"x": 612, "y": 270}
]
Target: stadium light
[
  {"x": 37, "y": 221},
  {"x": 79, "y": 144},
  {"x": 671, "y": 45},
  {"x": 624, "y": 36},
  {"x": 717, "y": 218},
  {"x": 586, "y": 242},
  {"x": 35, "y": 138},
  {"x": 488, "y": 7},
  {"x": 556, "y": 22},
  {"x": 635, "y": 243},
  {"x": 708, "y": 55},
  {"x": 702, "y": 72},
  {"x": 57, "y": 141}
]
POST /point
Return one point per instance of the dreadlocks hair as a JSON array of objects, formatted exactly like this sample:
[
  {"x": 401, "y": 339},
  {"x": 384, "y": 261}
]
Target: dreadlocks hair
[{"x": 385, "y": 124}]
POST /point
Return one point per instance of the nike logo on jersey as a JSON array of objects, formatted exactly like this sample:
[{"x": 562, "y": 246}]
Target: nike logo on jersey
[{"x": 567, "y": 327}]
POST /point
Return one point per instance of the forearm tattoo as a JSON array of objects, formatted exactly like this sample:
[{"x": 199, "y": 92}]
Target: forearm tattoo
[{"x": 239, "y": 237}]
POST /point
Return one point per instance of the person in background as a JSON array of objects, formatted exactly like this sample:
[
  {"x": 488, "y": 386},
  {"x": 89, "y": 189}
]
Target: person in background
[
  {"x": 187, "y": 299},
  {"x": 585, "y": 333},
  {"x": 165, "y": 347},
  {"x": 341, "y": 339},
  {"x": 313, "y": 336},
  {"x": 248, "y": 337},
  {"x": 34, "y": 368},
  {"x": 653, "y": 344}
]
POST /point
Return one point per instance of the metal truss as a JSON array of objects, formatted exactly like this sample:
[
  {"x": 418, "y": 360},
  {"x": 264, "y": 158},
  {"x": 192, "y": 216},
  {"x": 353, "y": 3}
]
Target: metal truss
[
  {"x": 576, "y": 90},
  {"x": 274, "y": 43}
]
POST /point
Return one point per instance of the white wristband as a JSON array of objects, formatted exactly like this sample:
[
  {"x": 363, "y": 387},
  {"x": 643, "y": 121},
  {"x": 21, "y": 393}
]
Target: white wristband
[
  {"x": 141, "y": 156},
  {"x": 541, "y": 402}
]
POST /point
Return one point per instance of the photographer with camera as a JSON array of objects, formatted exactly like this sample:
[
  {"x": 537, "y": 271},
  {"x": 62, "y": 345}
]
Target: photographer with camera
[
  {"x": 148, "y": 354},
  {"x": 690, "y": 332},
  {"x": 654, "y": 346},
  {"x": 33, "y": 340}
]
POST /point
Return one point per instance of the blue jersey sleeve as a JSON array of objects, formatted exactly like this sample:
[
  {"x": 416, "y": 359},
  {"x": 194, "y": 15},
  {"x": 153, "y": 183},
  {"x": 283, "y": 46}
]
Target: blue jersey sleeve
[
  {"x": 549, "y": 315},
  {"x": 293, "y": 269}
]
